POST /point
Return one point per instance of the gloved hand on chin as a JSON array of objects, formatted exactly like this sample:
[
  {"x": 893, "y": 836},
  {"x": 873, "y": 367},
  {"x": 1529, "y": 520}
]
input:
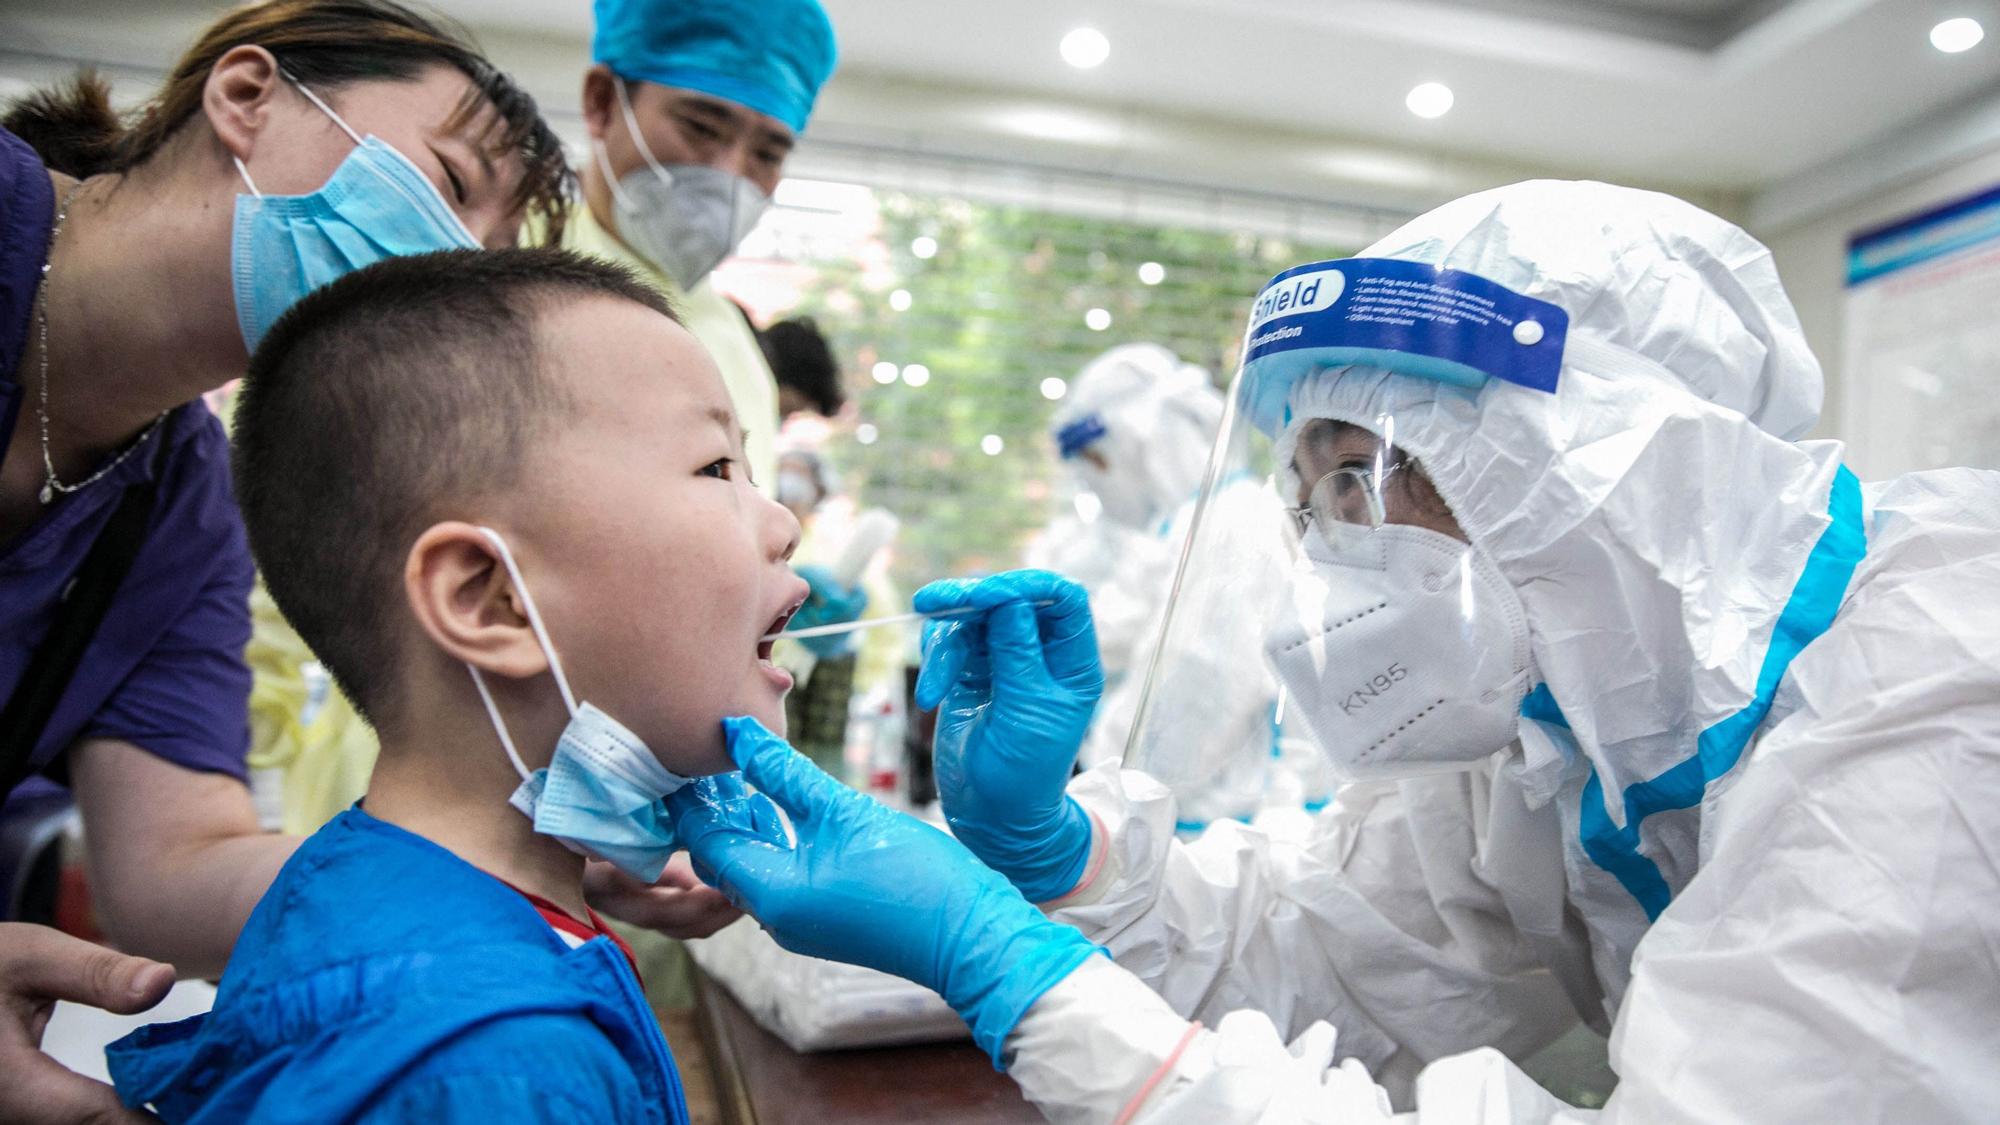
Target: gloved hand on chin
[
  {"x": 870, "y": 886},
  {"x": 1015, "y": 685}
]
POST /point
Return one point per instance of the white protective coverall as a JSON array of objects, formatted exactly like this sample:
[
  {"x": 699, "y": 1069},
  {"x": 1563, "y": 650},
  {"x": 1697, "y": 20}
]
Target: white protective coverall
[
  {"x": 1137, "y": 427},
  {"x": 1126, "y": 571},
  {"x": 1801, "y": 924}
]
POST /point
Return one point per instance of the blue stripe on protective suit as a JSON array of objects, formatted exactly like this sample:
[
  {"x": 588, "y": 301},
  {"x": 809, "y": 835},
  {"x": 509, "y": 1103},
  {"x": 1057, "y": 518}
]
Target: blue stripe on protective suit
[{"x": 1807, "y": 614}]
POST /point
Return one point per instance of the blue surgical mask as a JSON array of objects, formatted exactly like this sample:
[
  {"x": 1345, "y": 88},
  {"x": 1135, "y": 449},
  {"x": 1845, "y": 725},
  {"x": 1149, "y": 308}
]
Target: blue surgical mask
[
  {"x": 377, "y": 205},
  {"x": 604, "y": 792}
]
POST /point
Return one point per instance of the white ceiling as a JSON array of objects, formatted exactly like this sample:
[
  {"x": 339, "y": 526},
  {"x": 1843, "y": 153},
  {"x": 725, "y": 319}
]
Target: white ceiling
[
  {"x": 1722, "y": 95},
  {"x": 1305, "y": 96},
  {"x": 1813, "y": 78}
]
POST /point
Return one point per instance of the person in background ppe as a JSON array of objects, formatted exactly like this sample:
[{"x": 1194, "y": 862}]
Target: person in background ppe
[
  {"x": 804, "y": 482},
  {"x": 1134, "y": 431},
  {"x": 692, "y": 110},
  {"x": 1721, "y": 774},
  {"x": 1136, "y": 428}
]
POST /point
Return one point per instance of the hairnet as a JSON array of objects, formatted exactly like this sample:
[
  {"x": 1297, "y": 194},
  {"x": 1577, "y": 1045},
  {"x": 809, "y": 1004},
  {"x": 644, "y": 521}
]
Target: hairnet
[
  {"x": 1657, "y": 275},
  {"x": 1154, "y": 416},
  {"x": 770, "y": 55},
  {"x": 1654, "y": 513}
]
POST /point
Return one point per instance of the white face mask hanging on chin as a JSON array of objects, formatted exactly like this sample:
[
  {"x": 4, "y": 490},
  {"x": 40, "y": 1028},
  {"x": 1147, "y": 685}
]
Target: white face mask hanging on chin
[
  {"x": 603, "y": 791},
  {"x": 683, "y": 218}
]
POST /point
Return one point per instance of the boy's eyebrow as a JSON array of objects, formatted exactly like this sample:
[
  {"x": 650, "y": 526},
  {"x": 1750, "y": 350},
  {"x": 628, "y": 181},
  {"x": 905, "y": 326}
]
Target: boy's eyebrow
[{"x": 727, "y": 420}]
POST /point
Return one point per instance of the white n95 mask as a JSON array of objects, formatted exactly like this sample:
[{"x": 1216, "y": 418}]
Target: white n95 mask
[
  {"x": 1404, "y": 650},
  {"x": 683, "y": 218},
  {"x": 1124, "y": 496},
  {"x": 604, "y": 792}
]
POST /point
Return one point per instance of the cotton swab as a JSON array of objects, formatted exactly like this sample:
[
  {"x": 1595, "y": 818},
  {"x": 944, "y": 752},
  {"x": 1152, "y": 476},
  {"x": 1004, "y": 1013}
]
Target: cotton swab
[{"x": 874, "y": 622}]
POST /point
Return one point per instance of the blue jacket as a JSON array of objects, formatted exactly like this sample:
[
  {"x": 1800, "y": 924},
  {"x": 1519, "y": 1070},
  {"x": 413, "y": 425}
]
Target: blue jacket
[{"x": 383, "y": 978}]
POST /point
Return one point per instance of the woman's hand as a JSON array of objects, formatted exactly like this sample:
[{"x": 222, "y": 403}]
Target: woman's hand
[
  {"x": 39, "y": 966},
  {"x": 679, "y": 905}
]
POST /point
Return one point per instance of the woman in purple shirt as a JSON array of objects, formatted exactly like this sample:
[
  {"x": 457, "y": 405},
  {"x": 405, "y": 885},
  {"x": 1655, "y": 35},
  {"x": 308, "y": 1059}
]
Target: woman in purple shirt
[{"x": 296, "y": 140}]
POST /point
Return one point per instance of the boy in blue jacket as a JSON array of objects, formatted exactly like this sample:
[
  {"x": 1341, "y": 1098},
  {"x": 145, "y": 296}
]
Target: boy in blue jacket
[{"x": 513, "y": 464}]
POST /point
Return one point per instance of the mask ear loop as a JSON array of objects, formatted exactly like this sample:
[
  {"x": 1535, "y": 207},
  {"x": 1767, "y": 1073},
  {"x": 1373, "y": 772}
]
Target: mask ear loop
[
  {"x": 247, "y": 181},
  {"x": 302, "y": 88},
  {"x": 541, "y": 637},
  {"x": 323, "y": 107},
  {"x": 603, "y": 159},
  {"x": 639, "y": 138}
]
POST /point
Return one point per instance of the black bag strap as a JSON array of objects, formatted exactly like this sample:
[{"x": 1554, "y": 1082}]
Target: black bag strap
[{"x": 79, "y": 612}]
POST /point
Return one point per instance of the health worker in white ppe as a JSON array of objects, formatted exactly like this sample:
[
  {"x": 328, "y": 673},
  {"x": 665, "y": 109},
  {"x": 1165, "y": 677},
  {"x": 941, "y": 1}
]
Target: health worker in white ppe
[
  {"x": 1133, "y": 429},
  {"x": 692, "y": 110},
  {"x": 1659, "y": 720},
  {"x": 1136, "y": 428}
]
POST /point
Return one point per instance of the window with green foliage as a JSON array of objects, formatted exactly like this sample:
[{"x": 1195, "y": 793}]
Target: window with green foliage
[{"x": 957, "y": 325}]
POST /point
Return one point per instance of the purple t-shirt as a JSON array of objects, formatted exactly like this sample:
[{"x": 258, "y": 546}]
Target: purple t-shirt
[{"x": 165, "y": 670}]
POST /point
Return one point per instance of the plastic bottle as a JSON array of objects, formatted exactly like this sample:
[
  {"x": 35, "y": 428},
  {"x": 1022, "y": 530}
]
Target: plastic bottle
[{"x": 885, "y": 763}]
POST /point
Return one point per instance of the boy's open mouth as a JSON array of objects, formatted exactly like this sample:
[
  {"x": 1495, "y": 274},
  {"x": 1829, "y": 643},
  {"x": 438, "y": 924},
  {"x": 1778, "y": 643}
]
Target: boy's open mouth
[{"x": 777, "y": 626}]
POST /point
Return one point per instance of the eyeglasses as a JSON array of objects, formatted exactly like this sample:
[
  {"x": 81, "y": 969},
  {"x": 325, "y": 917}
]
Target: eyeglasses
[{"x": 1346, "y": 500}]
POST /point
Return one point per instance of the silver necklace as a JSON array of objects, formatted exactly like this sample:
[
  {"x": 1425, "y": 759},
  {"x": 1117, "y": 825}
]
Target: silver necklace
[{"x": 51, "y": 485}]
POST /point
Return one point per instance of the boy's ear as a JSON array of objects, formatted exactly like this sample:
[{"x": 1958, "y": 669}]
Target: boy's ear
[{"x": 467, "y": 605}]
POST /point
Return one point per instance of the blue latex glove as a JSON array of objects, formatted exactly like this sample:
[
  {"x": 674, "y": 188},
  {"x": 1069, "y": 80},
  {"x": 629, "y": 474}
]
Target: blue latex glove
[
  {"x": 870, "y": 886},
  {"x": 1016, "y": 686},
  {"x": 829, "y": 603}
]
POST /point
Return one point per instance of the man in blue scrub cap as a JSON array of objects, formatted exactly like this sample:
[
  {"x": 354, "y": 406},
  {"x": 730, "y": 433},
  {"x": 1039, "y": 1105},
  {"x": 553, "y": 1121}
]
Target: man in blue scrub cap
[{"x": 692, "y": 109}]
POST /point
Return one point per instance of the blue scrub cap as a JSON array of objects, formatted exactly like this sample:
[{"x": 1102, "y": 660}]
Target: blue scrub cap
[{"x": 770, "y": 55}]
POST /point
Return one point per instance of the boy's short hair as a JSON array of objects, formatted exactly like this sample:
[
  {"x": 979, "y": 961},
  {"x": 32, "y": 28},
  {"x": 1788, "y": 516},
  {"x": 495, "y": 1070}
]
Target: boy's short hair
[{"x": 374, "y": 408}]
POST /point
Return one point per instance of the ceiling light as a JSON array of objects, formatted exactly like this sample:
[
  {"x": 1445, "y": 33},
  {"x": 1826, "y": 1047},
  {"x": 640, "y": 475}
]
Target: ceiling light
[
  {"x": 1429, "y": 99},
  {"x": 1961, "y": 34},
  {"x": 991, "y": 445},
  {"x": 1085, "y": 47},
  {"x": 924, "y": 246},
  {"x": 1097, "y": 319},
  {"x": 1069, "y": 124},
  {"x": 1054, "y": 388},
  {"x": 1152, "y": 273},
  {"x": 866, "y": 433},
  {"x": 900, "y": 300},
  {"x": 884, "y": 372},
  {"x": 916, "y": 374}
]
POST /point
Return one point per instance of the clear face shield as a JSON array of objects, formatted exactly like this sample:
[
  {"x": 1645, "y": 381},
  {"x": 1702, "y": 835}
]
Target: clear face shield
[{"x": 1323, "y": 557}]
